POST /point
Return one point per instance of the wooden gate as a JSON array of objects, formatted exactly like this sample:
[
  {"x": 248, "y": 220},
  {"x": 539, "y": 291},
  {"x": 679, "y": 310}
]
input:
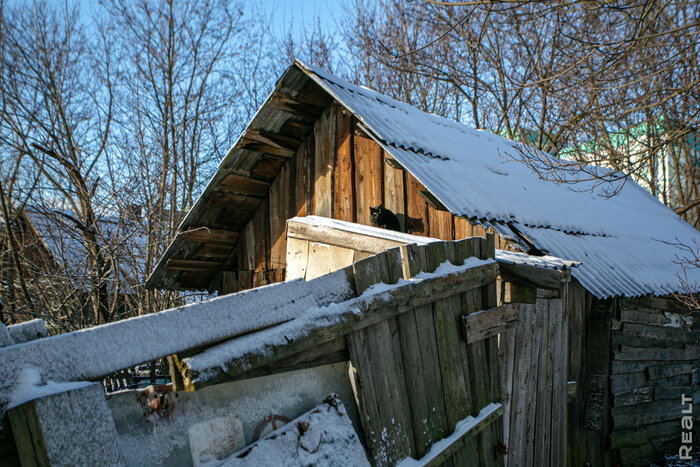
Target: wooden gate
[{"x": 414, "y": 375}]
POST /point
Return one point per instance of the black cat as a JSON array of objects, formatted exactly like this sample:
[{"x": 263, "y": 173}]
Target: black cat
[{"x": 379, "y": 216}]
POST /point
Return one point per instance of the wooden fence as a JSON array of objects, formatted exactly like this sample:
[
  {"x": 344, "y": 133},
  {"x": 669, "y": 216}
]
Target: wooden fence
[{"x": 531, "y": 353}]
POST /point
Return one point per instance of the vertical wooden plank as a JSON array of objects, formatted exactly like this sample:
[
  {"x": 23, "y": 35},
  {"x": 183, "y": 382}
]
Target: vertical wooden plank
[
  {"x": 389, "y": 433},
  {"x": 440, "y": 224},
  {"x": 368, "y": 177},
  {"x": 365, "y": 396},
  {"x": 319, "y": 263},
  {"x": 416, "y": 207},
  {"x": 533, "y": 384},
  {"x": 463, "y": 228},
  {"x": 324, "y": 135},
  {"x": 344, "y": 170},
  {"x": 508, "y": 347},
  {"x": 420, "y": 354},
  {"x": 394, "y": 190},
  {"x": 261, "y": 233},
  {"x": 559, "y": 394},
  {"x": 340, "y": 257},
  {"x": 303, "y": 196},
  {"x": 521, "y": 394},
  {"x": 544, "y": 383},
  {"x": 297, "y": 258},
  {"x": 278, "y": 218},
  {"x": 292, "y": 186},
  {"x": 454, "y": 365},
  {"x": 479, "y": 378},
  {"x": 249, "y": 261}
]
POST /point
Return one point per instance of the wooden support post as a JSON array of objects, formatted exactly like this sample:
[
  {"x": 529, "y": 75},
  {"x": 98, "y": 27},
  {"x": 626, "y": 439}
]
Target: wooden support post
[{"x": 74, "y": 427}]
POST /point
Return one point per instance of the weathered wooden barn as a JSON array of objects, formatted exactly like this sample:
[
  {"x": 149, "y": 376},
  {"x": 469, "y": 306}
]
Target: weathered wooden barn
[{"x": 321, "y": 146}]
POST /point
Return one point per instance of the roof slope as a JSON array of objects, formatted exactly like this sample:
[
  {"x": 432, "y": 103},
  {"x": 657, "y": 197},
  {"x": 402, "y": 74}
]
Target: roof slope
[{"x": 624, "y": 242}]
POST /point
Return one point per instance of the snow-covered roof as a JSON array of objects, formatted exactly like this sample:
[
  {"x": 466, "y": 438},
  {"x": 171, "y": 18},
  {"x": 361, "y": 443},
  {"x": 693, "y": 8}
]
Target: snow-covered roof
[
  {"x": 626, "y": 244},
  {"x": 62, "y": 239}
]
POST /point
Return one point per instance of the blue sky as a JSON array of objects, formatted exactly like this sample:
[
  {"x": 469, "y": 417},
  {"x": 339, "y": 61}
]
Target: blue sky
[{"x": 301, "y": 12}]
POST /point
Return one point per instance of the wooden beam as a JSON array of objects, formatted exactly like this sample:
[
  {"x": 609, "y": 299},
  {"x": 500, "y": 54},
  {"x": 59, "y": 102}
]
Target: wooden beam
[
  {"x": 533, "y": 276},
  {"x": 330, "y": 236},
  {"x": 210, "y": 236},
  {"x": 487, "y": 323},
  {"x": 265, "y": 148},
  {"x": 335, "y": 351},
  {"x": 232, "y": 200},
  {"x": 274, "y": 139},
  {"x": 432, "y": 200},
  {"x": 245, "y": 185},
  {"x": 213, "y": 250},
  {"x": 192, "y": 265},
  {"x": 357, "y": 314},
  {"x": 297, "y": 127},
  {"x": 290, "y": 105},
  {"x": 459, "y": 439}
]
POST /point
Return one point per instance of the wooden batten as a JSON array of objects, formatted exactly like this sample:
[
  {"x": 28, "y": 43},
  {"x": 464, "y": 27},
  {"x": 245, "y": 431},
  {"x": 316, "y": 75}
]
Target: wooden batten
[
  {"x": 533, "y": 276},
  {"x": 515, "y": 292},
  {"x": 279, "y": 144},
  {"x": 193, "y": 265},
  {"x": 487, "y": 323},
  {"x": 210, "y": 236},
  {"x": 240, "y": 202},
  {"x": 248, "y": 186},
  {"x": 290, "y": 105},
  {"x": 432, "y": 200}
]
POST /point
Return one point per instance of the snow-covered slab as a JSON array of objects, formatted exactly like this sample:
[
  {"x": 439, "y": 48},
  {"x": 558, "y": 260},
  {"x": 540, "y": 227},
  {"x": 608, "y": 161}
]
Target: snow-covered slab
[
  {"x": 28, "y": 331},
  {"x": 366, "y": 230},
  {"x": 5, "y": 338},
  {"x": 546, "y": 262},
  {"x": 323, "y": 436},
  {"x": 479, "y": 175},
  {"x": 92, "y": 353}
]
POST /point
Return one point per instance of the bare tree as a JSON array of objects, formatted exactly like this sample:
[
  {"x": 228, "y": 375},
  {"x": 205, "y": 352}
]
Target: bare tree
[
  {"x": 602, "y": 83},
  {"x": 58, "y": 116}
]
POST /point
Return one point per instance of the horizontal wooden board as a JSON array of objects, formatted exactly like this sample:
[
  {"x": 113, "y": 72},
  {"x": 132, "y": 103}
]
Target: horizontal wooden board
[
  {"x": 487, "y": 323},
  {"x": 239, "y": 184},
  {"x": 210, "y": 236}
]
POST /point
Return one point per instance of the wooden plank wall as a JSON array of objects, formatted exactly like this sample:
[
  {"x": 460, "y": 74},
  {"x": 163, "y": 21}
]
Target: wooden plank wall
[
  {"x": 337, "y": 172},
  {"x": 414, "y": 375},
  {"x": 655, "y": 359},
  {"x": 534, "y": 381}
]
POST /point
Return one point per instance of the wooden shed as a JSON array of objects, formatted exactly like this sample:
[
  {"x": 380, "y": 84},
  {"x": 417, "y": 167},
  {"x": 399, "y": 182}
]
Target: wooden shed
[{"x": 321, "y": 146}]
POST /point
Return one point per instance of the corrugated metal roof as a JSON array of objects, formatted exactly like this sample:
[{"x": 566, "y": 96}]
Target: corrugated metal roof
[{"x": 625, "y": 243}]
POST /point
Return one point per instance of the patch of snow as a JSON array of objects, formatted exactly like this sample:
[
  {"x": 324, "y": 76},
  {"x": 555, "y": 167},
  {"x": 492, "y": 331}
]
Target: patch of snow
[
  {"x": 547, "y": 262},
  {"x": 322, "y": 436},
  {"x": 461, "y": 428},
  {"x": 364, "y": 230},
  {"x": 29, "y": 386},
  {"x": 674, "y": 320},
  {"x": 28, "y": 331}
]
